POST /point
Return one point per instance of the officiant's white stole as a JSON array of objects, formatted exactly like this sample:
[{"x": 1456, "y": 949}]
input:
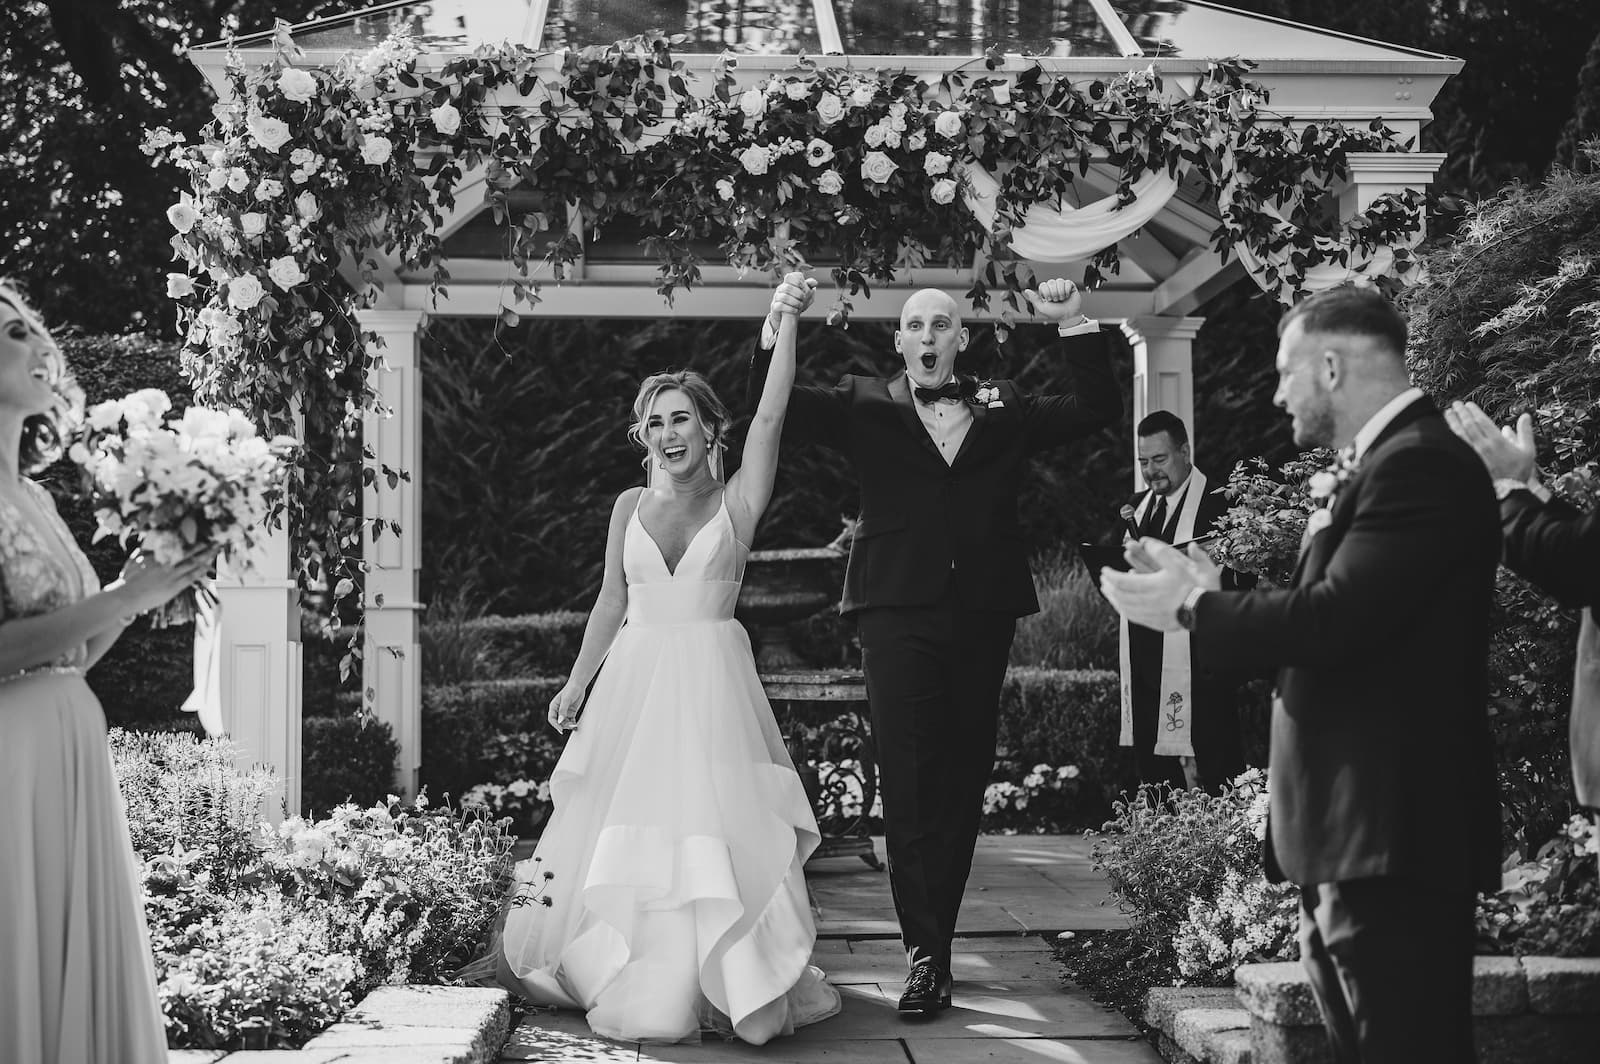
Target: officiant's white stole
[{"x": 1175, "y": 711}]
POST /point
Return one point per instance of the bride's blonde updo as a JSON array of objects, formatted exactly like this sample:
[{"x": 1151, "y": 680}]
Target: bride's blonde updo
[{"x": 713, "y": 415}]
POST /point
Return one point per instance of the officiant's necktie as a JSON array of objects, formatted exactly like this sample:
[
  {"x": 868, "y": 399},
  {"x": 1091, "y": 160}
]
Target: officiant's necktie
[{"x": 1155, "y": 522}]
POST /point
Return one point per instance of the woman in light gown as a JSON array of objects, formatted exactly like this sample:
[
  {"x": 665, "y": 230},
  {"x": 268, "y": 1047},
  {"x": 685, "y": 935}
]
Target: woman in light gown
[
  {"x": 680, "y": 828},
  {"x": 77, "y": 981}
]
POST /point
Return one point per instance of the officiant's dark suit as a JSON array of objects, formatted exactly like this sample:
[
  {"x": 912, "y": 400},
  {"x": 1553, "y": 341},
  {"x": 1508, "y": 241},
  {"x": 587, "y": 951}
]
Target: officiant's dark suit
[
  {"x": 937, "y": 576},
  {"x": 1384, "y": 805}
]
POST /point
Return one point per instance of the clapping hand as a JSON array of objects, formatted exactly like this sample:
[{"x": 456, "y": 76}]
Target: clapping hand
[
  {"x": 1057, "y": 299},
  {"x": 1508, "y": 453},
  {"x": 1161, "y": 580}
]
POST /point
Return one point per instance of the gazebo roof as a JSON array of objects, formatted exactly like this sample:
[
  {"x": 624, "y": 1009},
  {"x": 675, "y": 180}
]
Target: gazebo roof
[
  {"x": 1153, "y": 29},
  {"x": 1313, "y": 75}
]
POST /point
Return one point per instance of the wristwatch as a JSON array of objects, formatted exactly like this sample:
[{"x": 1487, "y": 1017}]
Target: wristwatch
[
  {"x": 1504, "y": 486},
  {"x": 1186, "y": 611}
]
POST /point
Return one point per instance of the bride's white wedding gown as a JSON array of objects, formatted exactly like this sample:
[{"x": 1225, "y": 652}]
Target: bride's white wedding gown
[{"x": 679, "y": 830}]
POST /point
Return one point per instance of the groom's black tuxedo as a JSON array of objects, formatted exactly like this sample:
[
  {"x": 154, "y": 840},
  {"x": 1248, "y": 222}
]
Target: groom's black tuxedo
[
  {"x": 938, "y": 574},
  {"x": 1384, "y": 803}
]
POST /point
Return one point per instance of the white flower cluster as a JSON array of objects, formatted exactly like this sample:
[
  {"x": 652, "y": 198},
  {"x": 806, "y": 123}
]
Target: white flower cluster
[
  {"x": 519, "y": 799},
  {"x": 1003, "y": 795},
  {"x": 203, "y": 480},
  {"x": 1249, "y": 920}
]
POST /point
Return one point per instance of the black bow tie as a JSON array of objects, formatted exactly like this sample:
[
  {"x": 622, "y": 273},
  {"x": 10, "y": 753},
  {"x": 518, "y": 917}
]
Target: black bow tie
[{"x": 948, "y": 390}]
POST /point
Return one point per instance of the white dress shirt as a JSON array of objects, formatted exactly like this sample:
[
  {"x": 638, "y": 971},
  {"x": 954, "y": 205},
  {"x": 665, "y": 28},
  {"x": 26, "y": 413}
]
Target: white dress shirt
[
  {"x": 1380, "y": 421},
  {"x": 947, "y": 421}
]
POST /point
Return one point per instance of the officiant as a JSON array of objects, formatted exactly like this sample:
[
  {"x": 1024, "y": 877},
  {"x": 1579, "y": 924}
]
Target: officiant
[{"x": 1181, "y": 719}]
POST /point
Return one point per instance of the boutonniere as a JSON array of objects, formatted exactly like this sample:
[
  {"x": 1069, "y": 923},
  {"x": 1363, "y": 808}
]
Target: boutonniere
[
  {"x": 986, "y": 394},
  {"x": 1324, "y": 487}
]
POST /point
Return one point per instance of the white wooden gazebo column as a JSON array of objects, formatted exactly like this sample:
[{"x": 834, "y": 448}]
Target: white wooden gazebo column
[
  {"x": 391, "y": 662},
  {"x": 1163, "y": 370}
]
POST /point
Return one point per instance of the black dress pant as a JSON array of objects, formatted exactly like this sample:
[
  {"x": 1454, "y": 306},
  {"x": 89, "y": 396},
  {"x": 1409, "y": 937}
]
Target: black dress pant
[
  {"x": 1390, "y": 962},
  {"x": 934, "y": 675}
]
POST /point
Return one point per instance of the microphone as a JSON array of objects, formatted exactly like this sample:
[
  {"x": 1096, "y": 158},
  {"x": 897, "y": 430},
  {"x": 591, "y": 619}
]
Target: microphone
[{"x": 1128, "y": 513}]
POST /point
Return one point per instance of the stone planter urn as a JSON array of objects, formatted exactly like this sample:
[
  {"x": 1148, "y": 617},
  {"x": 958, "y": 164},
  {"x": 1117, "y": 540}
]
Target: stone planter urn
[{"x": 782, "y": 586}]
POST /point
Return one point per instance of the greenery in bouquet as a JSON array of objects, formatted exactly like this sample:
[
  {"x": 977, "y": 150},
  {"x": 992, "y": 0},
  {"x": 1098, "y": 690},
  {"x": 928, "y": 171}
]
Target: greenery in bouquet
[
  {"x": 205, "y": 481},
  {"x": 1268, "y": 509}
]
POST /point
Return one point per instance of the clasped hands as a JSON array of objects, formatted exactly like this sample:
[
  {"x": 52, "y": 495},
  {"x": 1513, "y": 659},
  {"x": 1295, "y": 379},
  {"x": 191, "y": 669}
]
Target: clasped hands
[{"x": 1161, "y": 579}]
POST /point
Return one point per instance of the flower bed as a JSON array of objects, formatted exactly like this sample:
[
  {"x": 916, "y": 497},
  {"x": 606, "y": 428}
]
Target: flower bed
[{"x": 265, "y": 935}]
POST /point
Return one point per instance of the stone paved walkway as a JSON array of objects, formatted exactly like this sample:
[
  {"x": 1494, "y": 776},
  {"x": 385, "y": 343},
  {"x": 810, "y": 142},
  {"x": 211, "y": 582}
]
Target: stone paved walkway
[{"x": 1009, "y": 1005}]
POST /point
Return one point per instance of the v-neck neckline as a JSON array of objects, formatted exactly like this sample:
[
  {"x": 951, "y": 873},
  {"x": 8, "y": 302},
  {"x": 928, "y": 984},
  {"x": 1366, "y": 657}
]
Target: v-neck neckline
[{"x": 672, "y": 571}]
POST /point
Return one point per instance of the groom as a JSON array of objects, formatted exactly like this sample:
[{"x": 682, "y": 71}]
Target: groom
[{"x": 938, "y": 575}]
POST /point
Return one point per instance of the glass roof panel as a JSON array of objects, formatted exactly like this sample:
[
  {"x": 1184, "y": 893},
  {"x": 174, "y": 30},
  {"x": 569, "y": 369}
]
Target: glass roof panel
[
  {"x": 436, "y": 25},
  {"x": 1205, "y": 31},
  {"x": 969, "y": 27},
  {"x": 784, "y": 27}
]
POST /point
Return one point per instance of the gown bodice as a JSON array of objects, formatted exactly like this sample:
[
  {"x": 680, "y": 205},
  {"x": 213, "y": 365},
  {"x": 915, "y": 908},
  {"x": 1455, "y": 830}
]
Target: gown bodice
[
  {"x": 705, "y": 586},
  {"x": 41, "y": 568}
]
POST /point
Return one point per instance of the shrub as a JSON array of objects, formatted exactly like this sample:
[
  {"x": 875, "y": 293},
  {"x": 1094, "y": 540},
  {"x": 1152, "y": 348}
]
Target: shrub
[
  {"x": 487, "y": 732},
  {"x": 349, "y": 758},
  {"x": 144, "y": 679},
  {"x": 1075, "y": 628},
  {"x": 1067, "y": 717},
  {"x": 456, "y": 649},
  {"x": 531, "y": 644},
  {"x": 1549, "y": 905}
]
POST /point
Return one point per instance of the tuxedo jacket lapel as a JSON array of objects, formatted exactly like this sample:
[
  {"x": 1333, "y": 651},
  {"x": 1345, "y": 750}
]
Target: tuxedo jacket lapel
[
  {"x": 980, "y": 413},
  {"x": 900, "y": 392}
]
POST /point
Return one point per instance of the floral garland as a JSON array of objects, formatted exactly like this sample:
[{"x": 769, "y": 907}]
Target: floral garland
[{"x": 304, "y": 168}]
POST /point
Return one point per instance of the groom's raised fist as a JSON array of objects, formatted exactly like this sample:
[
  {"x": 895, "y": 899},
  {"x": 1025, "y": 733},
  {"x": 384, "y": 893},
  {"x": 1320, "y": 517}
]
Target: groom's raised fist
[
  {"x": 793, "y": 294},
  {"x": 1057, "y": 299}
]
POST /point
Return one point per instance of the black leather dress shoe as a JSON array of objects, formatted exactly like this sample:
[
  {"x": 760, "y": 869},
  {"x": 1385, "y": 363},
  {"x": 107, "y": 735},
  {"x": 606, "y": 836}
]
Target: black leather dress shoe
[{"x": 927, "y": 990}]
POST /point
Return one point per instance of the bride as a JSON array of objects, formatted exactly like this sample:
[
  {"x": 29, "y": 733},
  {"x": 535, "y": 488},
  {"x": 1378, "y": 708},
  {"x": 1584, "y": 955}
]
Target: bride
[{"x": 679, "y": 831}]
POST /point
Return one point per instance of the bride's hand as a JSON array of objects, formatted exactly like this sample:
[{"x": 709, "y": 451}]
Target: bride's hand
[
  {"x": 150, "y": 584},
  {"x": 563, "y": 715}
]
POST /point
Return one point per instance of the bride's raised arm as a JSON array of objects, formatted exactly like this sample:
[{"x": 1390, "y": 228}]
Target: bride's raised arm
[{"x": 750, "y": 489}]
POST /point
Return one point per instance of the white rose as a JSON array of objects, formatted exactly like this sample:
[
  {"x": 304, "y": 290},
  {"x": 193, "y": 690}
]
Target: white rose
[
  {"x": 268, "y": 132},
  {"x": 375, "y": 151},
  {"x": 297, "y": 85},
  {"x": 917, "y": 141},
  {"x": 252, "y": 223},
  {"x": 301, "y": 156},
  {"x": 725, "y": 189},
  {"x": 944, "y": 190},
  {"x": 182, "y": 216},
  {"x": 891, "y": 137},
  {"x": 446, "y": 119},
  {"x": 285, "y": 272},
  {"x": 306, "y": 206},
  {"x": 1002, "y": 92},
  {"x": 753, "y": 103},
  {"x": 877, "y": 167},
  {"x": 270, "y": 188},
  {"x": 755, "y": 159},
  {"x": 217, "y": 179},
  {"x": 830, "y": 182},
  {"x": 244, "y": 292},
  {"x": 830, "y": 108},
  {"x": 948, "y": 124},
  {"x": 864, "y": 94},
  {"x": 875, "y": 135},
  {"x": 936, "y": 163},
  {"x": 797, "y": 90},
  {"x": 238, "y": 180},
  {"x": 105, "y": 416},
  {"x": 818, "y": 151},
  {"x": 179, "y": 285}
]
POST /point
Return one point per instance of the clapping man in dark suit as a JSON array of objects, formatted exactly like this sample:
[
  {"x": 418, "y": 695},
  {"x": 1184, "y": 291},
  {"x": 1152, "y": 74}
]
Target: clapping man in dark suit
[
  {"x": 1383, "y": 801},
  {"x": 1178, "y": 715},
  {"x": 1557, "y": 549},
  {"x": 938, "y": 575}
]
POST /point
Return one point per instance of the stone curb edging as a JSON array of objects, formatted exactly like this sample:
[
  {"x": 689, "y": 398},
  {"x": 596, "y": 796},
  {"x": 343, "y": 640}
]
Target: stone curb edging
[
  {"x": 397, "y": 1025},
  {"x": 1538, "y": 1005}
]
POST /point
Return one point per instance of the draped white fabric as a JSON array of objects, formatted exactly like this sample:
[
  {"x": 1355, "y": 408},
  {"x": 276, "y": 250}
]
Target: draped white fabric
[{"x": 1071, "y": 233}]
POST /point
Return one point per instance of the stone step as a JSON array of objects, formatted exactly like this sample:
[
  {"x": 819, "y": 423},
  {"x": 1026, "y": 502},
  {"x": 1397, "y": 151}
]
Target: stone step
[{"x": 1529, "y": 1010}]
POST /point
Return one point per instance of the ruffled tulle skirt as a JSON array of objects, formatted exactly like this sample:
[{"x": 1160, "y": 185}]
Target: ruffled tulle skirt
[
  {"x": 675, "y": 847},
  {"x": 77, "y": 980}
]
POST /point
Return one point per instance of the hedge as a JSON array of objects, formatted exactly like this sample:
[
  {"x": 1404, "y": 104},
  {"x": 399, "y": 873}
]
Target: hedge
[
  {"x": 480, "y": 732},
  {"x": 530, "y": 644},
  {"x": 345, "y": 758}
]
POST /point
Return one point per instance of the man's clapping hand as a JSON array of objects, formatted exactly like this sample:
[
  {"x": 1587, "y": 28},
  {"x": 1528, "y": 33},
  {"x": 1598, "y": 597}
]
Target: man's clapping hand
[
  {"x": 1162, "y": 579},
  {"x": 1509, "y": 454},
  {"x": 1057, "y": 300}
]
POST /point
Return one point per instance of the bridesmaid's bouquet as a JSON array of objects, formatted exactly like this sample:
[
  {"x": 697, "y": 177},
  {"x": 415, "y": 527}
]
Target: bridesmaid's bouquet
[{"x": 205, "y": 480}]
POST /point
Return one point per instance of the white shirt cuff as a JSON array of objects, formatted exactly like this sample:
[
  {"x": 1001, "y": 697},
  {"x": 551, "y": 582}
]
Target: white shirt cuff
[{"x": 1083, "y": 328}]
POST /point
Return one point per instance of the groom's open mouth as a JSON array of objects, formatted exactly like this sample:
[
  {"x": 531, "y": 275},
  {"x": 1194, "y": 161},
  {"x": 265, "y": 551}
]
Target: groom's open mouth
[{"x": 929, "y": 360}]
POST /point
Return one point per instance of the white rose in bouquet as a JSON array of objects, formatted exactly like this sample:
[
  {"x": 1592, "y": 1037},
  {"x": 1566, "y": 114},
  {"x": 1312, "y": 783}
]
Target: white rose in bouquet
[
  {"x": 245, "y": 292},
  {"x": 944, "y": 191},
  {"x": 864, "y": 93},
  {"x": 182, "y": 216},
  {"x": 948, "y": 124},
  {"x": 936, "y": 163},
  {"x": 179, "y": 285},
  {"x": 877, "y": 167},
  {"x": 830, "y": 182},
  {"x": 268, "y": 132},
  {"x": 252, "y": 224},
  {"x": 202, "y": 482},
  {"x": 446, "y": 119},
  {"x": 269, "y": 188},
  {"x": 285, "y": 272},
  {"x": 830, "y": 109},
  {"x": 376, "y": 150},
  {"x": 755, "y": 159},
  {"x": 797, "y": 90},
  {"x": 753, "y": 103},
  {"x": 307, "y": 207}
]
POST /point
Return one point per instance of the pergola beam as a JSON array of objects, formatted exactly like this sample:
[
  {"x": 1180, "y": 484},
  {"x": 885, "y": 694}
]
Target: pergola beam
[{"x": 1200, "y": 276}]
